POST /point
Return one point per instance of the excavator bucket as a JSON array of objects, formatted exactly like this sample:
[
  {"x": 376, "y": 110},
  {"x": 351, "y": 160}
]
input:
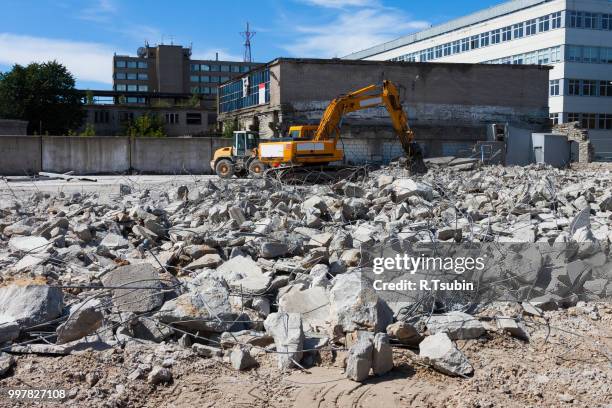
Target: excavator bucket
[{"x": 414, "y": 159}]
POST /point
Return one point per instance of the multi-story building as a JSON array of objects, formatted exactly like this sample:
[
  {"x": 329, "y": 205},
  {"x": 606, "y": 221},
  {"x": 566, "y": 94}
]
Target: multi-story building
[
  {"x": 572, "y": 36},
  {"x": 170, "y": 69},
  {"x": 163, "y": 80}
]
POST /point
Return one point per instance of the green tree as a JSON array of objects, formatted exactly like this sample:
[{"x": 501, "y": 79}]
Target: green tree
[
  {"x": 229, "y": 126},
  {"x": 89, "y": 130},
  {"x": 44, "y": 95},
  {"x": 147, "y": 125}
]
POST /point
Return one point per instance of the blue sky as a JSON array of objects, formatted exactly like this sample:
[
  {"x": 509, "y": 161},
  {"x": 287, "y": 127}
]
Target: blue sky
[{"x": 84, "y": 34}]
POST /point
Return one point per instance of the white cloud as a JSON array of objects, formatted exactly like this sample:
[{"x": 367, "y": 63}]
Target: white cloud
[
  {"x": 224, "y": 55},
  {"x": 87, "y": 61},
  {"x": 101, "y": 12},
  {"x": 352, "y": 31},
  {"x": 341, "y": 3}
]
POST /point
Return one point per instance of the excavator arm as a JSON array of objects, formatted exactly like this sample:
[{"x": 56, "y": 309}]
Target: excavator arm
[{"x": 368, "y": 97}]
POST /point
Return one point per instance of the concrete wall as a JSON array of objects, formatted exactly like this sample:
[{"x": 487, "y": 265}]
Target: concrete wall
[
  {"x": 85, "y": 155},
  {"x": 20, "y": 155},
  {"x": 13, "y": 127}
]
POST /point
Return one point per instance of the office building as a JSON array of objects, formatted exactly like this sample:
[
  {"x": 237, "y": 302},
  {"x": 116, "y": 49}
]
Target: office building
[{"x": 572, "y": 36}]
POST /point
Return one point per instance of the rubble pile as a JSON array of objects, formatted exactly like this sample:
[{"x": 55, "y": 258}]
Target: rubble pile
[{"x": 235, "y": 269}]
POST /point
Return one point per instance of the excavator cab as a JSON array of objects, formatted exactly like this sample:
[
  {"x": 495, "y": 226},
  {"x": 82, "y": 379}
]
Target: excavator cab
[{"x": 245, "y": 142}]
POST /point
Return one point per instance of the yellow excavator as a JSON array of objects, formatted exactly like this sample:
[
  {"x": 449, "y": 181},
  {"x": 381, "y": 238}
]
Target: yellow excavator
[{"x": 313, "y": 148}]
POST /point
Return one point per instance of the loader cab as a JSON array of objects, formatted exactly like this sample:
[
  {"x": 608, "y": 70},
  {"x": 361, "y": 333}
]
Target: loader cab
[{"x": 244, "y": 142}]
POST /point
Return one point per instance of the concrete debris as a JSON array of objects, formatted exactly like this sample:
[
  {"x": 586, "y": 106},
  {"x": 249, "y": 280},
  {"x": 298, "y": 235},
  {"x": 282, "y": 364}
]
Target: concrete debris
[
  {"x": 382, "y": 357},
  {"x": 404, "y": 333},
  {"x": 457, "y": 325},
  {"x": 245, "y": 275},
  {"x": 6, "y": 363},
  {"x": 514, "y": 328},
  {"x": 142, "y": 288},
  {"x": 359, "y": 360},
  {"x": 286, "y": 329},
  {"x": 159, "y": 375},
  {"x": 241, "y": 358},
  {"x": 84, "y": 319},
  {"x": 29, "y": 303},
  {"x": 439, "y": 351},
  {"x": 28, "y": 244}
]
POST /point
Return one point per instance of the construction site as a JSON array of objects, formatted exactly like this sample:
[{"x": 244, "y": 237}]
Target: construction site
[{"x": 354, "y": 233}]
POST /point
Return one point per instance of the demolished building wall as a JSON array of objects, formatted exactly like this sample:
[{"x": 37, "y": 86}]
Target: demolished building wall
[{"x": 448, "y": 105}]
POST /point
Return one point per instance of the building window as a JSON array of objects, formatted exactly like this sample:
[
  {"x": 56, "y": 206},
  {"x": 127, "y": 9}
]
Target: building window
[
  {"x": 517, "y": 59},
  {"x": 589, "y": 20},
  {"x": 495, "y": 36},
  {"x": 518, "y": 30},
  {"x": 554, "y": 119},
  {"x": 605, "y": 121},
  {"x": 484, "y": 39},
  {"x": 430, "y": 54},
  {"x": 530, "y": 27},
  {"x": 605, "y": 55},
  {"x": 205, "y": 90},
  {"x": 465, "y": 44},
  {"x": 125, "y": 117},
  {"x": 132, "y": 88},
  {"x": 120, "y": 64},
  {"x": 245, "y": 68},
  {"x": 213, "y": 68},
  {"x": 194, "y": 89},
  {"x": 573, "y": 87},
  {"x": 213, "y": 91},
  {"x": 589, "y": 87},
  {"x": 143, "y": 77},
  {"x": 556, "y": 20},
  {"x": 456, "y": 47},
  {"x": 225, "y": 68},
  {"x": 555, "y": 54},
  {"x": 120, "y": 75},
  {"x": 554, "y": 87},
  {"x": 573, "y": 117},
  {"x": 134, "y": 99},
  {"x": 101, "y": 117},
  {"x": 588, "y": 120},
  {"x": 605, "y": 21},
  {"x": 121, "y": 87},
  {"x": 605, "y": 88},
  {"x": 573, "y": 53},
  {"x": 172, "y": 118},
  {"x": 223, "y": 79},
  {"x": 132, "y": 76},
  {"x": 194, "y": 78},
  {"x": 204, "y": 67},
  {"x": 544, "y": 24},
  {"x": 423, "y": 56},
  {"x": 212, "y": 119},
  {"x": 507, "y": 33},
  {"x": 194, "y": 67},
  {"x": 143, "y": 64},
  {"x": 543, "y": 56},
  {"x": 235, "y": 68},
  {"x": 590, "y": 54},
  {"x": 204, "y": 78},
  {"x": 132, "y": 64},
  {"x": 575, "y": 19},
  {"x": 438, "y": 52},
  {"x": 143, "y": 88},
  {"x": 530, "y": 58},
  {"x": 214, "y": 79},
  {"x": 474, "y": 43},
  {"x": 194, "y": 118},
  {"x": 447, "y": 49}
]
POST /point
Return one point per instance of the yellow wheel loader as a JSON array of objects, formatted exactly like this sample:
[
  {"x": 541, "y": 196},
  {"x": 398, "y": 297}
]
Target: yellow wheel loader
[{"x": 313, "y": 148}]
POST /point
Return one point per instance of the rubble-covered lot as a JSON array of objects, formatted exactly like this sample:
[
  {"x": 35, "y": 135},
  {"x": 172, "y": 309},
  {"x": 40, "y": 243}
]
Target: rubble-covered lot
[{"x": 200, "y": 291}]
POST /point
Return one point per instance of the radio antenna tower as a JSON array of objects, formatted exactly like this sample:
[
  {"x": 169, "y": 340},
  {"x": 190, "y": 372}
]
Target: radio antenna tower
[{"x": 247, "y": 43}]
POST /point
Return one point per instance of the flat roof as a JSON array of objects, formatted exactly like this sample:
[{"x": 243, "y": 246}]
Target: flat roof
[{"x": 452, "y": 25}]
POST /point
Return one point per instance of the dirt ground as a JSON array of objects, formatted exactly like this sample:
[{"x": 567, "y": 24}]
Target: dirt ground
[{"x": 567, "y": 363}]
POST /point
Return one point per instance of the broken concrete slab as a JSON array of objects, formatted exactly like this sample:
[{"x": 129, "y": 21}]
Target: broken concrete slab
[
  {"x": 241, "y": 358},
  {"x": 457, "y": 325},
  {"x": 404, "y": 333},
  {"x": 510, "y": 325},
  {"x": 359, "y": 360},
  {"x": 6, "y": 363},
  {"x": 30, "y": 244},
  {"x": 136, "y": 288},
  {"x": 29, "y": 303},
  {"x": 403, "y": 188},
  {"x": 114, "y": 241},
  {"x": 286, "y": 328},
  {"x": 244, "y": 274},
  {"x": 312, "y": 304},
  {"x": 382, "y": 355},
  {"x": 440, "y": 351},
  {"x": 205, "y": 261},
  {"x": 84, "y": 319},
  {"x": 270, "y": 249}
]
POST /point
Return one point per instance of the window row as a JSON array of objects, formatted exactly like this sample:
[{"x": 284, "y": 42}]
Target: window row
[
  {"x": 219, "y": 68},
  {"x": 540, "y": 57},
  {"x": 589, "y": 87},
  {"x": 131, "y": 88},
  {"x": 131, "y": 64},
  {"x": 251, "y": 90},
  {"x": 206, "y": 90},
  {"x": 588, "y": 120},
  {"x": 581, "y": 53},
  {"x": 515, "y": 31},
  {"x": 206, "y": 78},
  {"x": 588, "y": 20},
  {"x": 132, "y": 76}
]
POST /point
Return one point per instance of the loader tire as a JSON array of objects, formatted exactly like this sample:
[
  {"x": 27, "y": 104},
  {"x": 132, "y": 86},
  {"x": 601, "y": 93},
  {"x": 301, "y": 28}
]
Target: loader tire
[
  {"x": 257, "y": 169},
  {"x": 224, "y": 168}
]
